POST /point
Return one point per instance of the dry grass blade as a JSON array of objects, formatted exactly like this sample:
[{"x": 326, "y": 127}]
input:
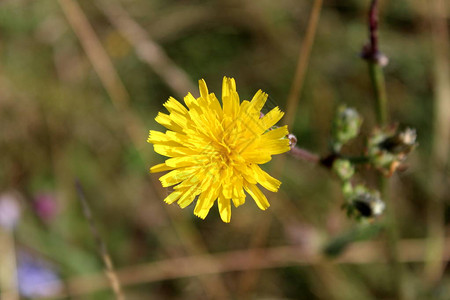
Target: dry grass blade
[
  {"x": 8, "y": 270},
  {"x": 96, "y": 53},
  {"x": 434, "y": 266},
  {"x": 412, "y": 251},
  {"x": 146, "y": 49},
  {"x": 104, "y": 67},
  {"x": 302, "y": 65},
  {"x": 110, "y": 273}
]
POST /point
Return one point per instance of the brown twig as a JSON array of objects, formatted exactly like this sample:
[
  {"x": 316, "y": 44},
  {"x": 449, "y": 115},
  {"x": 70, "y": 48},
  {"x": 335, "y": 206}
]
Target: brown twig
[
  {"x": 303, "y": 154},
  {"x": 277, "y": 257},
  {"x": 302, "y": 65},
  {"x": 104, "y": 68},
  {"x": 434, "y": 266},
  {"x": 110, "y": 272},
  {"x": 373, "y": 31}
]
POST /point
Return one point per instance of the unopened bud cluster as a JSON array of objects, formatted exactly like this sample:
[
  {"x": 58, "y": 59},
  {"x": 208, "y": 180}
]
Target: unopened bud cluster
[
  {"x": 346, "y": 125},
  {"x": 360, "y": 201},
  {"x": 365, "y": 203},
  {"x": 389, "y": 147}
]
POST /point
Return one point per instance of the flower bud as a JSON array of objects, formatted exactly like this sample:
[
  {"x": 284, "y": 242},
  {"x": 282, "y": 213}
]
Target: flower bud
[
  {"x": 346, "y": 125},
  {"x": 387, "y": 148},
  {"x": 343, "y": 169},
  {"x": 366, "y": 203},
  {"x": 292, "y": 140}
]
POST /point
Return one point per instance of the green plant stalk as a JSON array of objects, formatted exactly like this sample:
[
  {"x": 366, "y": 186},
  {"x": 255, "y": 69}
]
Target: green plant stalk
[
  {"x": 377, "y": 78},
  {"x": 378, "y": 82}
]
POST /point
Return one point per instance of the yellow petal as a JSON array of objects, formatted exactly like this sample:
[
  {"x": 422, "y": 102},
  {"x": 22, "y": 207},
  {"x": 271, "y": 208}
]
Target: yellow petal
[
  {"x": 181, "y": 120},
  {"x": 224, "y": 209},
  {"x": 174, "y": 196},
  {"x": 271, "y": 118},
  {"x": 156, "y": 137},
  {"x": 238, "y": 201},
  {"x": 258, "y": 101},
  {"x": 203, "y": 88},
  {"x": 275, "y": 146},
  {"x": 205, "y": 202},
  {"x": 265, "y": 179},
  {"x": 160, "y": 168},
  {"x": 176, "y": 176},
  {"x": 186, "y": 161},
  {"x": 173, "y": 106},
  {"x": 173, "y": 151},
  {"x": 228, "y": 86},
  {"x": 203, "y": 213},
  {"x": 277, "y": 133},
  {"x": 257, "y": 156},
  {"x": 165, "y": 121},
  {"x": 188, "y": 196},
  {"x": 190, "y": 101},
  {"x": 257, "y": 195}
]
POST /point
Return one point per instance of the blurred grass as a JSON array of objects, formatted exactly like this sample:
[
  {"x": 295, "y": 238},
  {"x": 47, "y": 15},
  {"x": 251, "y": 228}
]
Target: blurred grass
[{"x": 58, "y": 123}]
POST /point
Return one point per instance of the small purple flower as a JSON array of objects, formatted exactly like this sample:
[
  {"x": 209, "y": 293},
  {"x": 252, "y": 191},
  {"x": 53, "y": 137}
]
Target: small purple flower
[
  {"x": 9, "y": 211},
  {"x": 45, "y": 206},
  {"x": 36, "y": 279}
]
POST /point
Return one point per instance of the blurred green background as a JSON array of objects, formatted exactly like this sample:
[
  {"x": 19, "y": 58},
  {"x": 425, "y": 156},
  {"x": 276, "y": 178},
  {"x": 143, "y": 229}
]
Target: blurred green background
[{"x": 81, "y": 83}]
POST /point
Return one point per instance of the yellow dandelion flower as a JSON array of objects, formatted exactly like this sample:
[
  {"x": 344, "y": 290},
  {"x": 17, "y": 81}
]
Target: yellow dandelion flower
[{"x": 215, "y": 150}]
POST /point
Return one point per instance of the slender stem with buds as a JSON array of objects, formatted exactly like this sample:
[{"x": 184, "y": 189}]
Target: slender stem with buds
[{"x": 374, "y": 59}]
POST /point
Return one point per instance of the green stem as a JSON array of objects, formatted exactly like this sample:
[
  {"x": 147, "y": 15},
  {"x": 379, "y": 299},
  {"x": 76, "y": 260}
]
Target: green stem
[
  {"x": 372, "y": 55},
  {"x": 378, "y": 82},
  {"x": 377, "y": 78},
  {"x": 393, "y": 237}
]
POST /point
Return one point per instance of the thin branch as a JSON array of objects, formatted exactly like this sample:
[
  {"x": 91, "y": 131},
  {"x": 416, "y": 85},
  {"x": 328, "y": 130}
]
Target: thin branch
[
  {"x": 110, "y": 273},
  {"x": 104, "y": 68},
  {"x": 434, "y": 266},
  {"x": 375, "y": 63},
  {"x": 373, "y": 29},
  {"x": 304, "y": 154},
  {"x": 372, "y": 252},
  {"x": 96, "y": 53},
  {"x": 303, "y": 59}
]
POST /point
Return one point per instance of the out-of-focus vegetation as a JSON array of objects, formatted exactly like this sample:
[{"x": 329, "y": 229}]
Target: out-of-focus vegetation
[{"x": 66, "y": 113}]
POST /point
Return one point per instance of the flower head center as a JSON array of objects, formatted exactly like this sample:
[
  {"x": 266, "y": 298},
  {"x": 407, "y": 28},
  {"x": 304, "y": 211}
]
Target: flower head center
[{"x": 226, "y": 155}]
